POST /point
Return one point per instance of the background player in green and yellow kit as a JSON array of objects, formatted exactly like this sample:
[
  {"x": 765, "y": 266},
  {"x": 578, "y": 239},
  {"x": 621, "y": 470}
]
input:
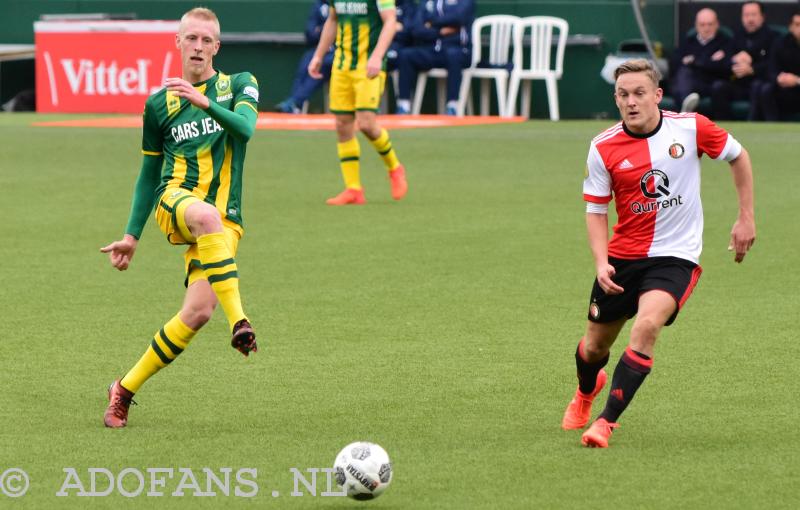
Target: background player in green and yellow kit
[
  {"x": 362, "y": 31},
  {"x": 194, "y": 140}
]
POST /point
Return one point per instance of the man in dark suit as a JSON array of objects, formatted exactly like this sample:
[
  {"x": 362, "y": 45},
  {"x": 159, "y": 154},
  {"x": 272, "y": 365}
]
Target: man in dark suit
[
  {"x": 781, "y": 94},
  {"x": 699, "y": 61},
  {"x": 747, "y": 64}
]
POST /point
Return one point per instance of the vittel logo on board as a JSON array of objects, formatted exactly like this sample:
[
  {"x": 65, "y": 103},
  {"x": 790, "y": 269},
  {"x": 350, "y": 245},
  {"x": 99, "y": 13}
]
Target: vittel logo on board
[{"x": 106, "y": 78}]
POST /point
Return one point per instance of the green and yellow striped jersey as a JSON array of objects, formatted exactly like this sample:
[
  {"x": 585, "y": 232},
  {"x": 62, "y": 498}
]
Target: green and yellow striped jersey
[
  {"x": 198, "y": 154},
  {"x": 358, "y": 27}
]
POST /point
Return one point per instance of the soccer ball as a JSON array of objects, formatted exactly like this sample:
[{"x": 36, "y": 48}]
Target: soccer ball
[{"x": 363, "y": 470}]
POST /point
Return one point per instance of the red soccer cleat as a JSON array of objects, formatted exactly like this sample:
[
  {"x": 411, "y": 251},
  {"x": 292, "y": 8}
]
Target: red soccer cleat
[
  {"x": 399, "y": 184},
  {"x": 243, "y": 338},
  {"x": 119, "y": 400},
  {"x": 349, "y": 196},
  {"x": 579, "y": 409},
  {"x": 598, "y": 434}
]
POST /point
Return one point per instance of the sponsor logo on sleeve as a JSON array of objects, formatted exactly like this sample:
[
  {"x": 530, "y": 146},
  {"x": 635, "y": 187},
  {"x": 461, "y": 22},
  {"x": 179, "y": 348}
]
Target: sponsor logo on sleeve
[{"x": 251, "y": 91}]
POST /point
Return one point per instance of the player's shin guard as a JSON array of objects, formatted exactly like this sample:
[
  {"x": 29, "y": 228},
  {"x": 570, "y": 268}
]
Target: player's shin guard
[
  {"x": 631, "y": 370},
  {"x": 383, "y": 144},
  {"x": 587, "y": 372},
  {"x": 167, "y": 344},
  {"x": 349, "y": 161},
  {"x": 222, "y": 274}
]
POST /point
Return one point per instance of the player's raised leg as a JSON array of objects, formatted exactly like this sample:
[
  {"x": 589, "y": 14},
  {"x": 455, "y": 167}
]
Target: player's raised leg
[
  {"x": 655, "y": 309},
  {"x": 590, "y": 358},
  {"x": 217, "y": 260}
]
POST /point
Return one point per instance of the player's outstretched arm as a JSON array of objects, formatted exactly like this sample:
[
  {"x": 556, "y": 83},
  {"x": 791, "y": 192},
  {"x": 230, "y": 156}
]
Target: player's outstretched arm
[
  {"x": 121, "y": 252},
  {"x": 743, "y": 234},
  {"x": 597, "y": 228}
]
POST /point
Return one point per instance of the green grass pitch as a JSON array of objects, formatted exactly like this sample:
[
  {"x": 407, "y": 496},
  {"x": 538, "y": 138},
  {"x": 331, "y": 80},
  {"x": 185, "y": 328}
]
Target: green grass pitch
[{"x": 441, "y": 327}]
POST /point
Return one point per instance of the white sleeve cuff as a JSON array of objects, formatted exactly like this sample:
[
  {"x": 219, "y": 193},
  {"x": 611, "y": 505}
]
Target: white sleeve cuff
[
  {"x": 732, "y": 149},
  {"x": 594, "y": 208}
]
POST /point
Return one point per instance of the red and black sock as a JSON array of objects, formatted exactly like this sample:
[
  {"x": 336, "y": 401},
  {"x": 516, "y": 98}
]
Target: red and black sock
[
  {"x": 631, "y": 370},
  {"x": 587, "y": 372}
]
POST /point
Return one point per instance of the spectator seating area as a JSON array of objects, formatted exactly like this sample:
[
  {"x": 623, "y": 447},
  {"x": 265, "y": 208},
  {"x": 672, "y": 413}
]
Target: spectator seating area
[
  {"x": 740, "y": 108},
  {"x": 509, "y": 52}
]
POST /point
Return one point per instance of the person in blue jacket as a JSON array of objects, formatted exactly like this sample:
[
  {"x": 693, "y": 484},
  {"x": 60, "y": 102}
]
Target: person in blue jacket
[
  {"x": 406, "y": 11},
  {"x": 441, "y": 37},
  {"x": 304, "y": 85}
]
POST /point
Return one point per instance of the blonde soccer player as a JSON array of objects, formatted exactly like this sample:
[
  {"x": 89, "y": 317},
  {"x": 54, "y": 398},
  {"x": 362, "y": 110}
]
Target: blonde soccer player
[{"x": 194, "y": 143}]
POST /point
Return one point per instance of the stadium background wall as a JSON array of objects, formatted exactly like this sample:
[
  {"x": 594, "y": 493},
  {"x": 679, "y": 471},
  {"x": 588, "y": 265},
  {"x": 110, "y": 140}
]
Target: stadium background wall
[{"x": 583, "y": 93}]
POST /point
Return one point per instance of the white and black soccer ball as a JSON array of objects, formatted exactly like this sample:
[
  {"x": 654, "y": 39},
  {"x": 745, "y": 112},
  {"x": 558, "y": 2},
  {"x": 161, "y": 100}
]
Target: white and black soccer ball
[{"x": 363, "y": 470}]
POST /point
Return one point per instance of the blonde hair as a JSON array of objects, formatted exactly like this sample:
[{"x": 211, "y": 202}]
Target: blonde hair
[
  {"x": 202, "y": 13},
  {"x": 639, "y": 65}
]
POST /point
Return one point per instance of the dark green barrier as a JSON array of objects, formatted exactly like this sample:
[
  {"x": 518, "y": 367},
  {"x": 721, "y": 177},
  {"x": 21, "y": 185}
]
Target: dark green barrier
[{"x": 582, "y": 92}]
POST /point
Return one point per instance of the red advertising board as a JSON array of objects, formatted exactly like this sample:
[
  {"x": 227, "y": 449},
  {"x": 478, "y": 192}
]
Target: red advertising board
[{"x": 102, "y": 66}]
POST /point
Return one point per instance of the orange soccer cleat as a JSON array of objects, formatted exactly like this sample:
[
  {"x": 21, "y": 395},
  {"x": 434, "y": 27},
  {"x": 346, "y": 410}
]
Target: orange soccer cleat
[
  {"x": 349, "y": 196},
  {"x": 598, "y": 434},
  {"x": 579, "y": 409},
  {"x": 399, "y": 184},
  {"x": 119, "y": 400}
]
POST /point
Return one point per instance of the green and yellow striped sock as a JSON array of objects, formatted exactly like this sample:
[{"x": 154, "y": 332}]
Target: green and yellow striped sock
[
  {"x": 349, "y": 161},
  {"x": 167, "y": 343},
  {"x": 383, "y": 144}
]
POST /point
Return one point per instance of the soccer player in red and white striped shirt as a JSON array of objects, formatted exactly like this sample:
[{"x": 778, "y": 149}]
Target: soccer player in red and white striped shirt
[{"x": 649, "y": 164}]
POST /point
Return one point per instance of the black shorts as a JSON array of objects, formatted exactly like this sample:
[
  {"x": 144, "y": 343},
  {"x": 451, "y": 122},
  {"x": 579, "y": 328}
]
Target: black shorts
[{"x": 671, "y": 274}]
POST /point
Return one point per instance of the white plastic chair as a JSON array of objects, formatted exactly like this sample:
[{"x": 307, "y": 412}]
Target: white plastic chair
[
  {"x": 539, "y": 65},
  {"x": 501, "y": 30},
  {"x": 441, "y": 89},
  {"x": 394, "y": 77},
  {"x": 325, "y": 99}
]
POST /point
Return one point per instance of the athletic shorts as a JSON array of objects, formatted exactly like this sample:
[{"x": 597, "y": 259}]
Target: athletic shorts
[
  {"x": 170, "y": 213},
  {"x": 674, "y": 275},
  {"x": 352, "y": 90}
]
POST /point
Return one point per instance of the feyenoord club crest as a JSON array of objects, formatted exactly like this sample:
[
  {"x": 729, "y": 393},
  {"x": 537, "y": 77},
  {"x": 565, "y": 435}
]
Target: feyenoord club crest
[
  {"x": 676, "y": 150},
  {"x": 594, "y": 311}
]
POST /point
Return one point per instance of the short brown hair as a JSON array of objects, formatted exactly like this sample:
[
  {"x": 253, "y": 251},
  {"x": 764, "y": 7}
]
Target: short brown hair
[
  {"x": 202, "y": 13},
  {"x": 639, "y": 65}
]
